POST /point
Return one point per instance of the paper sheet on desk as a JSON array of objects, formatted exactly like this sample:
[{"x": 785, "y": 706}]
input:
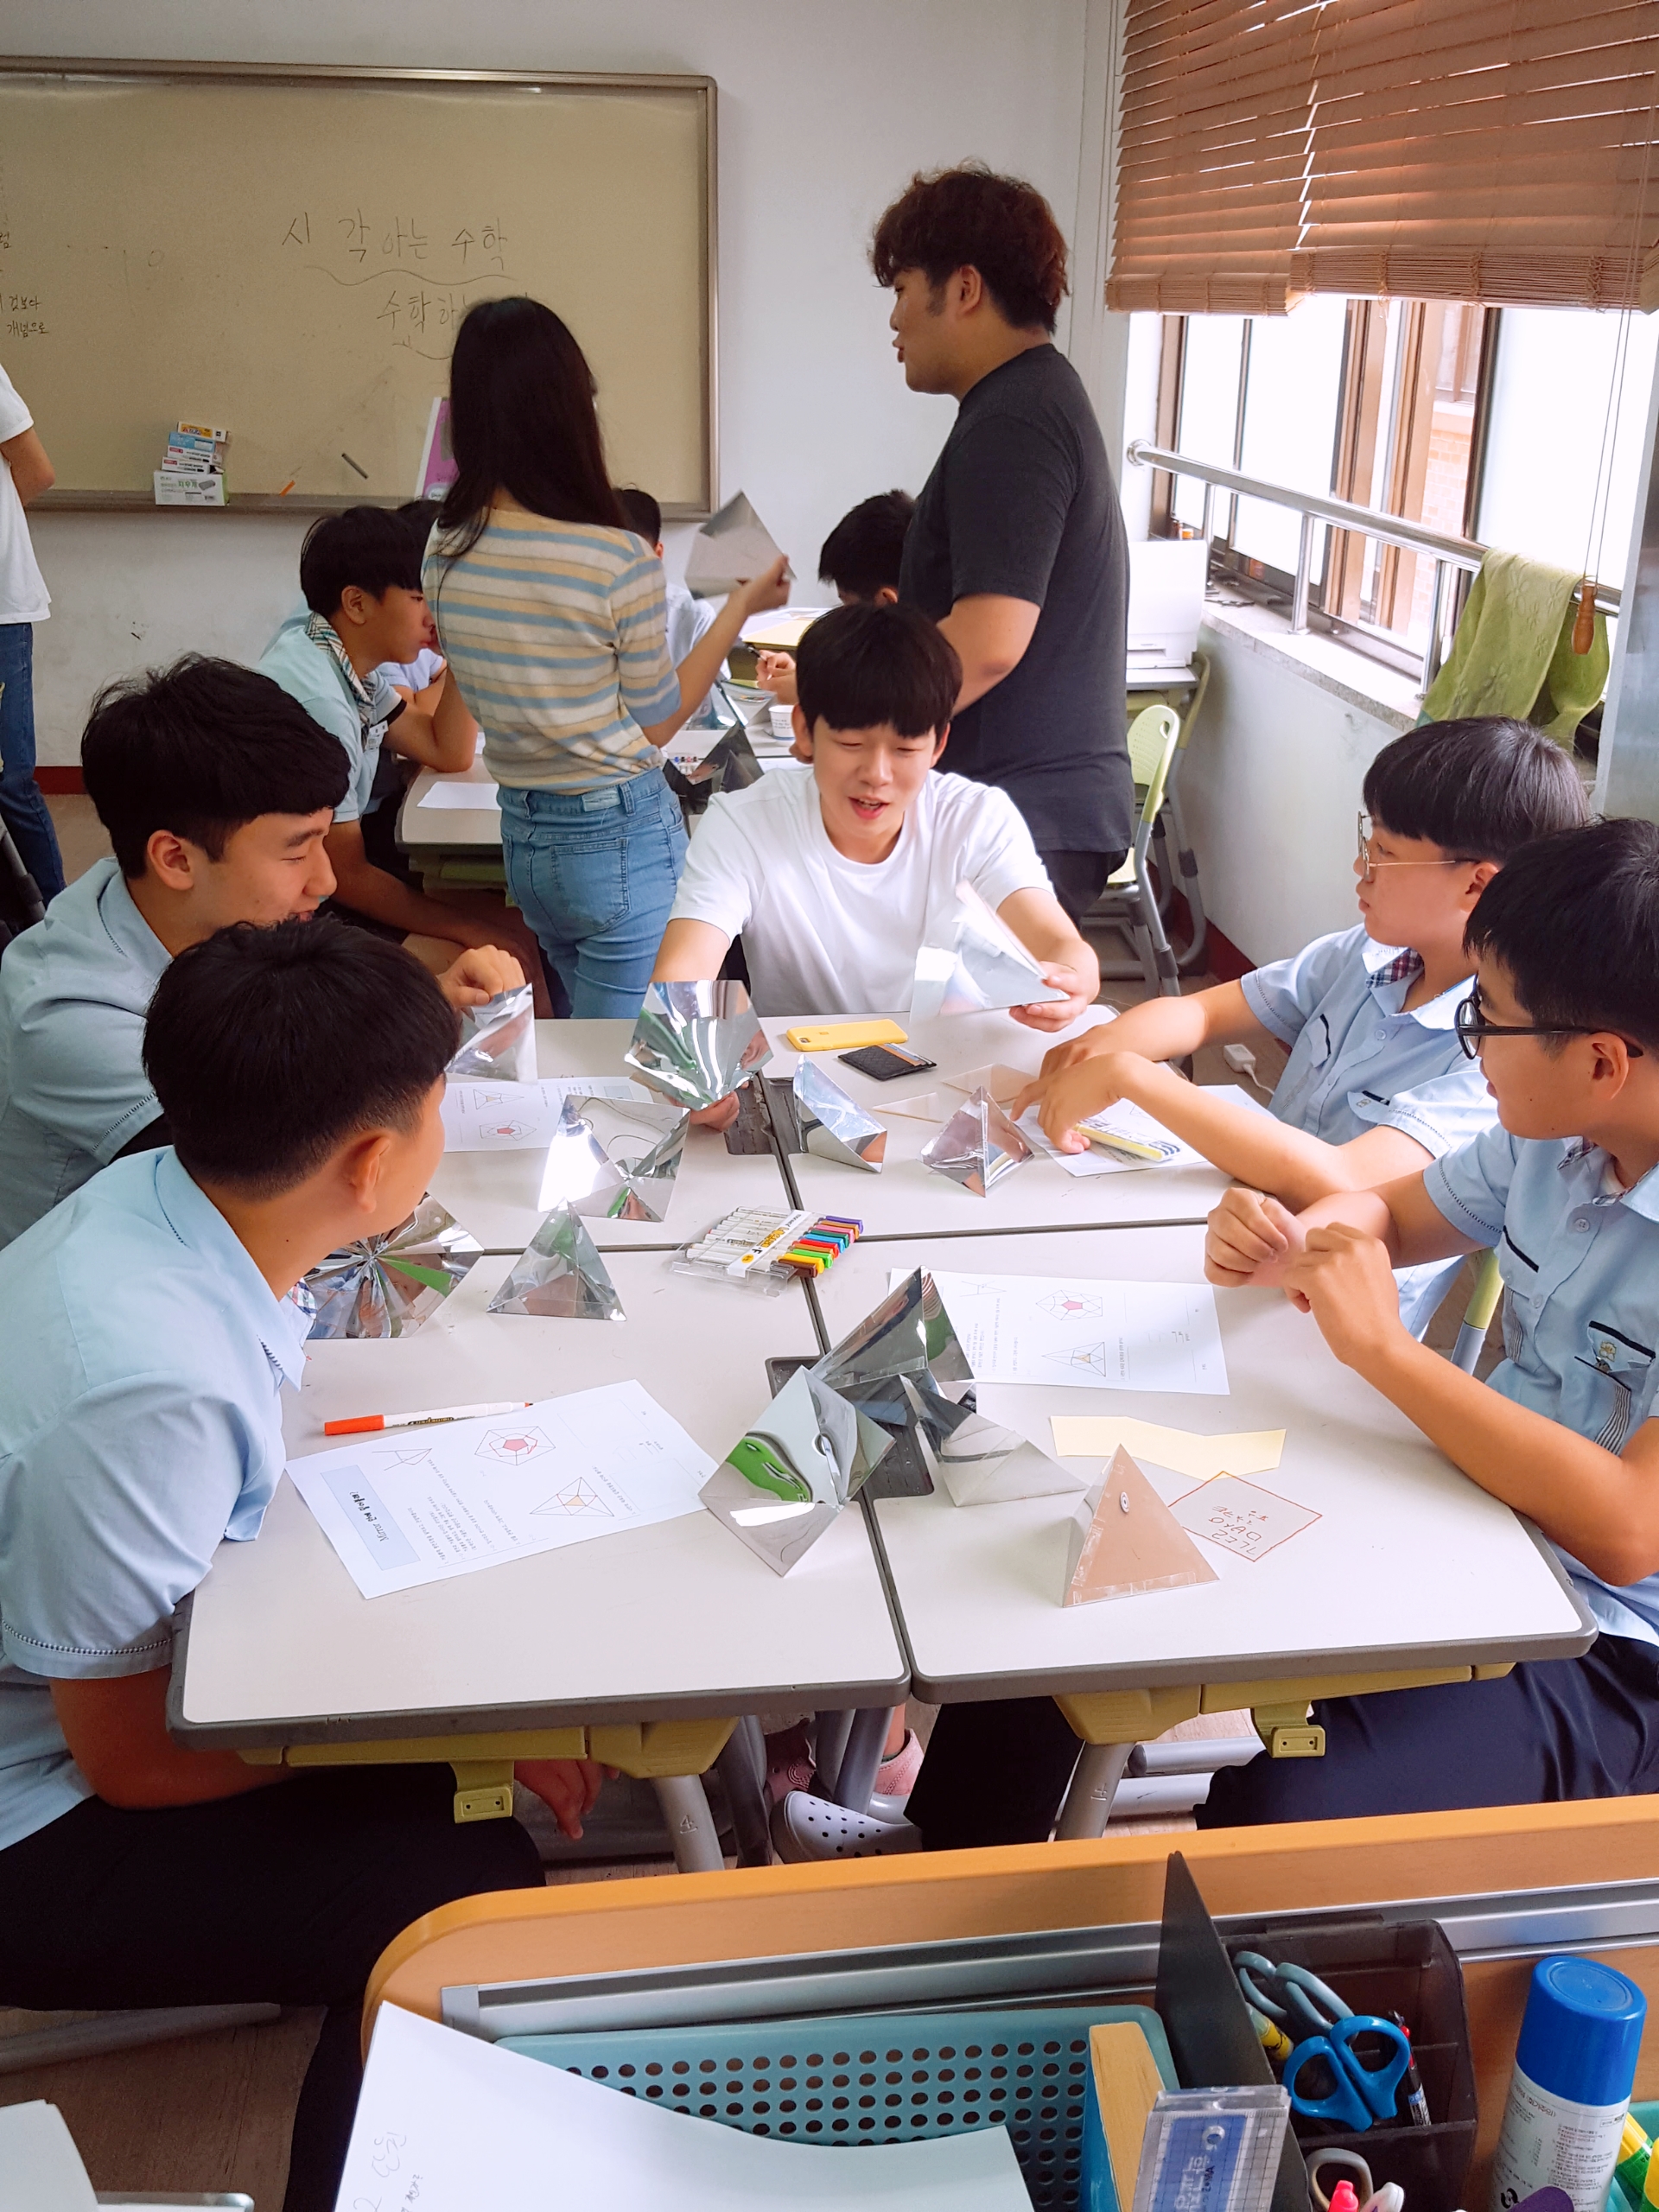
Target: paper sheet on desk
[
  {"x": 468, "y": 797},
  {"x": 521, "y": 1116},
  {"x": 1096, "y": 1436},
  {"x": 451, "y": 2122},
  {"x": 1128, "y": 1120},
  {"x": 406, "y": 1506},
  {"x": 1087, "y": 1334}
]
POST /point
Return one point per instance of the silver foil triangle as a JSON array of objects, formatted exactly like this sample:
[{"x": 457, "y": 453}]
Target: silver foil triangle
[
  {"x": 559, "y": 1276},
  {"x": 977, "y": 1146}
]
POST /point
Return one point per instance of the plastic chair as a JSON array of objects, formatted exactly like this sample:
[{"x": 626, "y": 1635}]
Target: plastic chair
[
  {"x": 1178, "y": 869},
  {"x": 1130, "y": 902},
  {"x": 1477, "y": 1315}
]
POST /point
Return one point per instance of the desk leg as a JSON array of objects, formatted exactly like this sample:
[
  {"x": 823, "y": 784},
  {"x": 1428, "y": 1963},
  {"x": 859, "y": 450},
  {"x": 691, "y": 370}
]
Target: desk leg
[
  {"x": 831, "y": 1731},
  {"x": 689, "y": 1823},
  {"x": 865, "y": 1740},
  {"x": 1094, "y": 1784},
  {"x": 742, "y": 1768}
]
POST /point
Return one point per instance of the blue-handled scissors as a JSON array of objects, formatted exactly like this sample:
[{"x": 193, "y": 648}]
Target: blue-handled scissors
[{"x": 1364, "y": 2057}]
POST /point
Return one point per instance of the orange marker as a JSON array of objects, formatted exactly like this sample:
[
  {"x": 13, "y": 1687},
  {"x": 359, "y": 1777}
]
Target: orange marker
[{"x": 367, "y": 1424}]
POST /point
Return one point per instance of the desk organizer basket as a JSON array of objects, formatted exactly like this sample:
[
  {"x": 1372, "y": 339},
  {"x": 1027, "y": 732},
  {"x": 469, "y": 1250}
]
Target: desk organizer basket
[
  {"x": 878, "y": 2077},
  {"x": 1406, "y": 1966}
]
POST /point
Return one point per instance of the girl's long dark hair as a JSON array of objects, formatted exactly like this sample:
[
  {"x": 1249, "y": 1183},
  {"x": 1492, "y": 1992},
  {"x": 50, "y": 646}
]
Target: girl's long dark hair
[{"x": 521, "y": 420}]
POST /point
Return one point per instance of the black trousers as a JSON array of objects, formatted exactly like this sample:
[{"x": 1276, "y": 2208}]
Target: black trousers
[
  {"x": 1079, "y": 878},
  {"x": 1550, "y": 1730},
  {"x": 286, "y": 1896}
]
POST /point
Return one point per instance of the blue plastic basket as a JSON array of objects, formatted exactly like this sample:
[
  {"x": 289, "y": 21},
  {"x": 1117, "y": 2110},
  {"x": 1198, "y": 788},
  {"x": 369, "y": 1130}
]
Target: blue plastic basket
[{"x": 877, "y": 2077}]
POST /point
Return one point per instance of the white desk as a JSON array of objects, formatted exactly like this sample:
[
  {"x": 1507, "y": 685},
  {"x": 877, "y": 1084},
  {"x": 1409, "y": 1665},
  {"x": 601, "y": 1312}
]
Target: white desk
[
  {"x": 908, "y": 1200},
  {"x": 493, "y": 1194},
  {"x": 678, "y": 1619},
  {"x": 471, "y": 830},
  {"x": 1411, "y": 1567}
]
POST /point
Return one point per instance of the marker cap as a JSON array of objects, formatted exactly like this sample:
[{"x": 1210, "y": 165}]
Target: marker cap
[{"x": 1581, "y": 2031}]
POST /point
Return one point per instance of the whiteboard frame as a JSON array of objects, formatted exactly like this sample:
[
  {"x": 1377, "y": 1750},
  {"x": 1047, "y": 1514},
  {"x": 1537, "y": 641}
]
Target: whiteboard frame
[{"x": 75, "y": 68}]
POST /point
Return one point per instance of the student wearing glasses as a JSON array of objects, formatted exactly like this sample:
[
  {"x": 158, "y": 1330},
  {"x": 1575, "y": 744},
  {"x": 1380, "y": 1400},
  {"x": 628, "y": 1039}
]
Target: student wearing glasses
[
  {"x": 1565, "y": 1189},
  {"x": 1375, "y": 1085}
]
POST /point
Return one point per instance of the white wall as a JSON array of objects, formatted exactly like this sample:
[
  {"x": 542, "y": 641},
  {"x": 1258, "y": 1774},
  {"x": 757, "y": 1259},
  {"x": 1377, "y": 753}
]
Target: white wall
[{"x": 824, "y": 111}]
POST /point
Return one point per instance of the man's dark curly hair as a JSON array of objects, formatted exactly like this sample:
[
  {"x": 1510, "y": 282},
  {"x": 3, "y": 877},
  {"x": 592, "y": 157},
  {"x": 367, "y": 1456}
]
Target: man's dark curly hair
[{"x": 969, "y": 217}]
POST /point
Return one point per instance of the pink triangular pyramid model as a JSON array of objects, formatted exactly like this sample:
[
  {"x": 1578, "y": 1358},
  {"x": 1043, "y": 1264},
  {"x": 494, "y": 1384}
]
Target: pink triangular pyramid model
[{"x": 1123, "y": 1539}]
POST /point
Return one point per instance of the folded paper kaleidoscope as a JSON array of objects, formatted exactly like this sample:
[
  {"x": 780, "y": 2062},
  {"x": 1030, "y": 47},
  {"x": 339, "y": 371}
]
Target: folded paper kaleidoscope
[
  {"x": 614, "y": 1160},
  {"x": 559, "y": 1276},
  {"x": 977, "y": 1146},
  {"x": 696, "y": 1042},
  {"x": 498, "y": 1039},
  {"x": 832, "y": 1126},
  {"x": 733, "y": 547},
  {"x": 387, "y": 1285},
  {"x": 785, "y": 1481},
  {"x": 973, "y": 961}
]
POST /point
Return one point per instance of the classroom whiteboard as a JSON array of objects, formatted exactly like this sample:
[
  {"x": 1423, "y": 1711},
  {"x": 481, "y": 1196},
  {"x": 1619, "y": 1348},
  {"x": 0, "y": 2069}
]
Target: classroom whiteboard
[{"x": 287, "y": 253}]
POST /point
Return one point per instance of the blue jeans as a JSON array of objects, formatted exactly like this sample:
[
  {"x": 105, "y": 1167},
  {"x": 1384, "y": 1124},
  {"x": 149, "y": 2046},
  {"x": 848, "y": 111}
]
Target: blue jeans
[
  {"x": 593, "y": 874},
  {"x": 22, "y": 808}
]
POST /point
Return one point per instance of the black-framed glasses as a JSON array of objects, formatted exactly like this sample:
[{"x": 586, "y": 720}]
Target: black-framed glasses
[{"x": 1471, "y": 1026}]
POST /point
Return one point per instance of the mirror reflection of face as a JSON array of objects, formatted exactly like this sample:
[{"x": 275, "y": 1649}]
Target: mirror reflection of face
[
  {"x": 273, "y": 869},
  {"x": 868, "y": 780}
]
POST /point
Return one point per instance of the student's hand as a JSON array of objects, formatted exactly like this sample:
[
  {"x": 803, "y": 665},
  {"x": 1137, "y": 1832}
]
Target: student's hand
[
  {"x": 1076, "y": 1050},
  {"x": 775, "y": 672},
  {"x": 759, "y": 594},
  {"x": 1057, "y": 1013},
  {"x": 1249, "y": 1241},
  {"x": 720, "y": 1115},
  {"x": 568, "y": 1787},
  {"x": 479, "y": 974},
  {"x": 1073, "y": 1094},
  {"x": 1344, "y": 1279}
]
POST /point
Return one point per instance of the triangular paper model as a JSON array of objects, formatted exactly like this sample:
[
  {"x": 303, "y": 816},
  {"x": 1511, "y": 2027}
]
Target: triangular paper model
[
  {"x": 1123, "y": 1539},
  {"x": 831, "y": 1126},
  {"x": 732, "y": 548},
  {"x": 498, "y": 1039},
  {"x": 785, "y": 1480},
  {"x": 977, "y": 1146},
  {"x": 980, "y": 1463},
  {"x": 973, "y": 961},
  {"x": 559, "y": 1276}
]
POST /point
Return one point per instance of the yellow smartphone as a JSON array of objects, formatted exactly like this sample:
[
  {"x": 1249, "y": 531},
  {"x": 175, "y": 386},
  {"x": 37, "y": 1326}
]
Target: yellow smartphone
[{"x": 839, "y": 1036}]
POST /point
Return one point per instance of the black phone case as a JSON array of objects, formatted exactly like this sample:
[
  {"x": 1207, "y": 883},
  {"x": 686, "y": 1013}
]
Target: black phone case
[{"x": 882, "y": 1065}]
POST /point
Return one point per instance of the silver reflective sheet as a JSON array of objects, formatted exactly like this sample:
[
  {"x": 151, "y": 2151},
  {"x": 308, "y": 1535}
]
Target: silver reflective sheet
[
  {"x": 903, "y": 1370},
  {"x": 788, "y": 1477},
  {"x": 696, "y": 1042},
  {"x": 613, "y": 1159},
  {"x": 980, "y": 1463},
  {"x": 559, "y": 1276},
  {"x": 498, "y": 1039},
  {"x": 387, "y": 1285},
  {"x": 977, "y": 1146},
  {"x": 973, "y": 961},
  {"x": 730, "y": 765},
  {"x": 832, "y": 1126}
]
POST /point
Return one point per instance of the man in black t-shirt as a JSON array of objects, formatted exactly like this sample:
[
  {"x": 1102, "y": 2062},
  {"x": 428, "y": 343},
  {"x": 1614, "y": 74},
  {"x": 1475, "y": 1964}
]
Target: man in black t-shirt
[{"x": 1017, "y": 549}]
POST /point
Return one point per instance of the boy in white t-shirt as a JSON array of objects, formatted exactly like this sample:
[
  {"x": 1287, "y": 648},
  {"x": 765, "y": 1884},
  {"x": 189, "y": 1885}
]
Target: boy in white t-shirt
[
  {"x": 836, "y": 879},
  {"x": 25, "y": 473}
]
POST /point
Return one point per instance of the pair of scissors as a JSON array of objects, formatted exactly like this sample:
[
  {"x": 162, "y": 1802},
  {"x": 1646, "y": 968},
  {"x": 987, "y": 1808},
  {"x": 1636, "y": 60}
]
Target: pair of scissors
[{"x": 1363, "y": 2059}]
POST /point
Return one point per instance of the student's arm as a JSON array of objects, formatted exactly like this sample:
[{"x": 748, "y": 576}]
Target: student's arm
[
  {"x": 702, "y": 664},
  {"x": 115, "y": 1729},
  {"x": 370, "y": 891},
  {"x": 482, "y": 973},
  {"x": 1070, "y": 964},
  {"x": 990, "y": 634},
  {"x": 1601, "y": 1506},
  {"x": 1296, "y": 1167},
  {"x": 446, "y": 740},
  {"x": 1071, "y": 1088},
  {"x": 1253, "y": 1239},
  {"x": 775, "y": 672},
  {"x": 31, "y": 472}
]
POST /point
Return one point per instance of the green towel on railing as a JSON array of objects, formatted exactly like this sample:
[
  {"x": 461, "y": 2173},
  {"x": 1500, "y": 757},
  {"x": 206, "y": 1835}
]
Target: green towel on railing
[{"x": 1513, "y": 652}]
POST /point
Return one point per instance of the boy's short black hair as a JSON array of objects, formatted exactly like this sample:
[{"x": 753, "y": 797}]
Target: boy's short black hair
[
  {"x": 862, "y": 552},
  {"x": 371, "y": 546},
  {"x": 1479, "y": 789},
  {"x": 199, "y": 749},
  {"x": 859, "y": 667},
  {"x": 269, "y": 1048},
  {"x": 1574, "y": 921},
  {"x": 641, "y": 513},
  {"x": 418, "y": 517}
]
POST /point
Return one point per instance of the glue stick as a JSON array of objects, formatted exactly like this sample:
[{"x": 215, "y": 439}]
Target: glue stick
[{"x": 1574, "y": 2069}]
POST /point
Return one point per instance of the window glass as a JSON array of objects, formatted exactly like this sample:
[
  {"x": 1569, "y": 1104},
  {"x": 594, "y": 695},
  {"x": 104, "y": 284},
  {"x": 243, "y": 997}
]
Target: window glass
[
  {"x": 1290, "y": 422},
  {"x": 1208, "y": 410}
]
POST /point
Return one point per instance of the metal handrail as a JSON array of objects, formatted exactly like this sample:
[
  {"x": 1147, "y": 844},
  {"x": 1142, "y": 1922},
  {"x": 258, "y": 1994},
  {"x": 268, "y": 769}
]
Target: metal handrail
[{"x": 1445, "y": 551}]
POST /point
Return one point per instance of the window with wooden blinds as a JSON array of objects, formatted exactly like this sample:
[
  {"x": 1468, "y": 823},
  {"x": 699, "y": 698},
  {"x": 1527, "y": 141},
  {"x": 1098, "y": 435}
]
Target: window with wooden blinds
[{"x": 1497, "y": 151}]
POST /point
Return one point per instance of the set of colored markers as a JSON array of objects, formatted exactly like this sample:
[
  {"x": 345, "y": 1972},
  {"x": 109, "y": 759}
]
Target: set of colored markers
[{"x": 765, "y": 1247}]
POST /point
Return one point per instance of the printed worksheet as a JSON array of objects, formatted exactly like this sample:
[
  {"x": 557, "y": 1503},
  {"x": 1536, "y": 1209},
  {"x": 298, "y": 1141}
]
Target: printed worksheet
[
  {"x": 1090, "y": 1336},
  {"x": 468, "y": 798},
  {"x": 407, "y": 1506},
  {"x": 521, "y": 1116},
  {"x": 1127, "y": 1120}
]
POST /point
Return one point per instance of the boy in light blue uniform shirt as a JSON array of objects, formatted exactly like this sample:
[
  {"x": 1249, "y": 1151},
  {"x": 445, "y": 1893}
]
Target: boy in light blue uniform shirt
[
  {"x": 150, "y": 1330},
  {"x": 1565, "y": 1021},
  {"x": 687, "y": 618},
  {"x": 1376, "y": 1084}
]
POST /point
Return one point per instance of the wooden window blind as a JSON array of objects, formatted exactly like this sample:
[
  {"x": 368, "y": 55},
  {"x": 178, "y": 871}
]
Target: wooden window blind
[{"x": 1497, "y": 151}]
